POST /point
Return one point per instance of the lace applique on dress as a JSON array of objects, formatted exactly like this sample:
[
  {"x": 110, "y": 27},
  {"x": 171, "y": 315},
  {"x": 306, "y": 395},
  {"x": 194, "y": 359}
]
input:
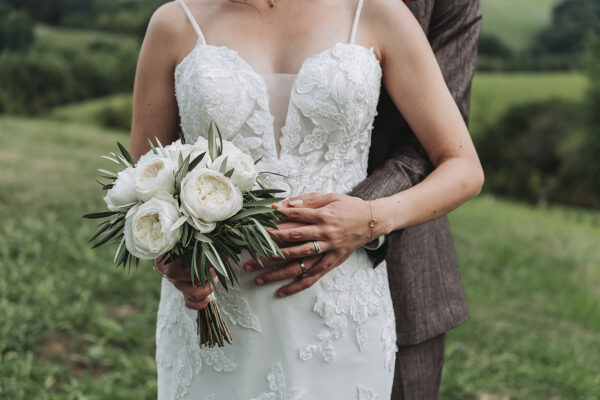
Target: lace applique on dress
[
  {"x": 177, "y": 320},
  {"x": 365, "y": 394},
  {"x": 236, "y": 308},
  {"x": 353, "y": 295},
  {"x": 278, "y": 387}
]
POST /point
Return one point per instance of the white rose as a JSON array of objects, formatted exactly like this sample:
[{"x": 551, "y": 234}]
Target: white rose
[
  {"x": 244, "y": 173},
  {"x": 209, "y": 196},
  {"x": 147, "y": 229},
  {"x": 123, "y": 191},
  {"x": 154, "y": 173},
  {"x": 195, "y": 149}
]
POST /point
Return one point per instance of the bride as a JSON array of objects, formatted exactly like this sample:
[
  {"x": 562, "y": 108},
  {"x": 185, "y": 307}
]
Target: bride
[{"x": 297, "y": 82}]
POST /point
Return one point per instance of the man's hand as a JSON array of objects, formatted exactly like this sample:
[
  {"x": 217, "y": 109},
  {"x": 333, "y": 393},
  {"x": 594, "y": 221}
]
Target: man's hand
[
  {"x": 340, "y": 224},
  {"x": 196, "y": 296}
]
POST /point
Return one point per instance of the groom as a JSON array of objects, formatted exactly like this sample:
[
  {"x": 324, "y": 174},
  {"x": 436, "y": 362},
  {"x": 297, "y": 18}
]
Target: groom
[{"x": 423, "y": 273}]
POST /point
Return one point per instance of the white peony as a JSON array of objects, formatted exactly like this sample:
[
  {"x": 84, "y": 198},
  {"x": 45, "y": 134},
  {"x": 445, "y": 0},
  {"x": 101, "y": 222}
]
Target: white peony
[
  {"x": 244, "y": 173},
  {"x": 195, "y": 149},
  {"x": 123, "y": 191},
  {"x": 147, "y": 229},
  {"x": 208, "y": 196},
  {"x": 154, "y": 173}
]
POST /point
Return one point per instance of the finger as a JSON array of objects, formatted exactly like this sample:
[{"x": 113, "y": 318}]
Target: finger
[
  {"x": 196, "y": 305},
  {"x": 297, "y": 214},
  {"x": 300, "y": 234},
  {"x": 288, "y": 271},
  {"x": 327, "y": 263},
  {"x": 311, "y": 200},
  {"x": 196, "y": 292},
  {"x": 296, "y": 200},
  {"x": 298, "y": 286},
  {"x": 253, "y": 265},
  {"x": 306, "y": 249}
]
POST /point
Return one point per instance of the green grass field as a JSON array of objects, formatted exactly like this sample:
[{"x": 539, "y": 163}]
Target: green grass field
[
  {"x": 515, "y": 22},
  {"x": 46, "y": 35},
  {"x": 73, "y": 327},
  {"x": 493, "y": 93}
]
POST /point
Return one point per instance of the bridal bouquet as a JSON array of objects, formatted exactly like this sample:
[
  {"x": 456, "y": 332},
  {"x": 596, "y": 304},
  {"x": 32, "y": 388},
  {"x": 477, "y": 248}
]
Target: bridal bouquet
[{"x": 201, "y": 202}]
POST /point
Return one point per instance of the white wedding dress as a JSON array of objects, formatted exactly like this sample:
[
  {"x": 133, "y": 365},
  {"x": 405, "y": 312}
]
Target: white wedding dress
[{"x": 335, "y": 340}]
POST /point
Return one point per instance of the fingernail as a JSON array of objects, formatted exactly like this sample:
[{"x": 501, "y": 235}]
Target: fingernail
[
  {"x": 280, "y": 294},
  {"x": 295, "y": 202},
  {"x": 259, "y": 281}
]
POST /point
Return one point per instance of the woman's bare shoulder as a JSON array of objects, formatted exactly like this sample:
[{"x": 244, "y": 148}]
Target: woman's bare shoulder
[{"x": 387, "y": 21}]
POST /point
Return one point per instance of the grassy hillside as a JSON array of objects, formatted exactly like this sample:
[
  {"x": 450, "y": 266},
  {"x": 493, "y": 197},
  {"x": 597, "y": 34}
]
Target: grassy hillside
[
  {"x": 516, "y": 21},
  {"x": 73, "y": 327},
  {"x": 78, "y": 37},
  {"x": 492, "y": 93}
]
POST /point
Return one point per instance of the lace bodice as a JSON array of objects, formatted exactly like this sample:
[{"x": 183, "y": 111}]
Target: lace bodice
[{"x": 324, "y": 142}]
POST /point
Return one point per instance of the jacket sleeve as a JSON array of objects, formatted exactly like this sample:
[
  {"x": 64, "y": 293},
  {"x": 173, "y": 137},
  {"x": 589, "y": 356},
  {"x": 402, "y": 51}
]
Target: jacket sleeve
[{"x": 453, "y": 31}]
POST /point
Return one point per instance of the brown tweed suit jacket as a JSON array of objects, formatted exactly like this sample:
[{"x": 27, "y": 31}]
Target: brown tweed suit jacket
[{"x": 422, "y": 267}]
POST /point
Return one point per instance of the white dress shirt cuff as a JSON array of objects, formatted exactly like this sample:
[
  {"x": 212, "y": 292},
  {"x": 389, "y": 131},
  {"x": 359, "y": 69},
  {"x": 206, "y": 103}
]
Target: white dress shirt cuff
[{"x": 375, "y": 243}]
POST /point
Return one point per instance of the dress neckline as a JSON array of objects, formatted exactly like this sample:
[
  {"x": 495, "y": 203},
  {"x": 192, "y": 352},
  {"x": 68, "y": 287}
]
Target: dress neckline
[{"x": 200, "y": 43}]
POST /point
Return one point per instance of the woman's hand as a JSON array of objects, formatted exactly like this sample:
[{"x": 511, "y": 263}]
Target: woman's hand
[
  {"x": 340, "y": 224},
  {"x": 196, "y": 296}
]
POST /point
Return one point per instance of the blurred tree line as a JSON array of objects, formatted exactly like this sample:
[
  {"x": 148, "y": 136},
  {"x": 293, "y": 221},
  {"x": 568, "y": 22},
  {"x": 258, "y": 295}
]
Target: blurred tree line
[
  {"x": 556, "y": 47},
  {"x": 37, "y": 73},
  {"x": 124, "y": 16}
]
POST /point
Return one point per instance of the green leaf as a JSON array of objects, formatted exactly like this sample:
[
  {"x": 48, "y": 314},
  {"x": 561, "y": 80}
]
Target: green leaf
[
  {"x": 215, "y": 259},
  {"x": 108, "y": 235},
  {"x": 229, "y": 173},
  {"x": 123, "y": 253},
  {"x": 259, "y": 192},
  {"x": 220, "y": 147},
  {"x": 194, "y": 268},
  {"x": 212, "y": 143},
  {"x": 223, "y": 166},
  {"x": 98, "y": 232},
  {"x": 125, "y": 153},
  {"x": 107, "y": 172},
  {"x": 266, "y": 235},
  {"x": 196, "y": 161},
  {"x": 262, "y": 202},
  {"x": 181, "y": 137},
  {"x": 152, "y": 146},
  {"x": 272, "y": 173},
  {"x": 202, "y": 237},
  {"x": 183, "y": 169},
  {"x": 101, "y": 214},
  {"x": 258, "y": 160},
  {"x": 203, "y": 266},
  {"x": 251, "y": 211}
]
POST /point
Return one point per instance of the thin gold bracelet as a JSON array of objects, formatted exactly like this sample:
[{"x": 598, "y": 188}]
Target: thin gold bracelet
[{"x": 373, "y": 221}]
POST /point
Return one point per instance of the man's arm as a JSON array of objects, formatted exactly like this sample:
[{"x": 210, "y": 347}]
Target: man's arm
[{"x": 453, "y": 33}]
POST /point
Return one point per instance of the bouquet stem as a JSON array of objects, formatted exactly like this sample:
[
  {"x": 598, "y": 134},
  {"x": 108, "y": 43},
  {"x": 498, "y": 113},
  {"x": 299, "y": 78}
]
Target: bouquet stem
[{"x": 212, "y": 329}]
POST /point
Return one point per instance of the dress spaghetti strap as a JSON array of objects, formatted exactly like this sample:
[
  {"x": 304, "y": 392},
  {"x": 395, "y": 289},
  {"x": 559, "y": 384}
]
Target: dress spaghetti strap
[
  {"x": 192, "y": 20},
  {"x": 355, "y": 23}
]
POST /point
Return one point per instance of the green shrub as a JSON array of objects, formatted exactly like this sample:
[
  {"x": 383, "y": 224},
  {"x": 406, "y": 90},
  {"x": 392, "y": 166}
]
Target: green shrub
[
  {"x": 116, "y": 116},
  {"x": 16, "y": 28},
  {"x": 532, "y": 153}
]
